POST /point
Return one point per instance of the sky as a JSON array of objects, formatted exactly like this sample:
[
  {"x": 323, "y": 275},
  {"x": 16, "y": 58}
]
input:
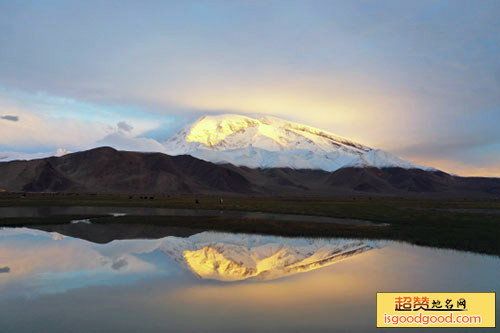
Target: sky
[{"x": 420, "y": 79}]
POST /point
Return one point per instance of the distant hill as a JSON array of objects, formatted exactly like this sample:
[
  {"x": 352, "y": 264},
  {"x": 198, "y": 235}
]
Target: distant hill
[{"x": 106, "y": 170}]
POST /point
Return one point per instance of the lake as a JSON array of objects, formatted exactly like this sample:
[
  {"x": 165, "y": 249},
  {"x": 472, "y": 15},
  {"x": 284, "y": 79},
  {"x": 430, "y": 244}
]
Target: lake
[
  {"x": 150, "y": 211},
  {"x": 214, "y": 282}
]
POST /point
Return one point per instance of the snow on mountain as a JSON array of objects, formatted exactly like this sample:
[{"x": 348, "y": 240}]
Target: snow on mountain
[
  {"x": 208, "y": 255},
  {"x": 271, "y": 142},
  {"x": 235, "y": 257},
  {"x": 266, "y": 142},
  {"x": 12, "y": 156}
]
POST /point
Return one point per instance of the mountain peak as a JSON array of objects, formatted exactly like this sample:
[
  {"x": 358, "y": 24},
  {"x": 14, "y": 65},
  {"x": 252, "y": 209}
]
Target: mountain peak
[
  {"x": 268, "y": 142},
  {"x": 211, "y": 130},
  {"x": 229, "y": 131}
]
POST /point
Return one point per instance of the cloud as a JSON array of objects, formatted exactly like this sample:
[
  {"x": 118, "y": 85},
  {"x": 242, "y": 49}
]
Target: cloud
[
  {"x": 37, "y": 131},
  {"x": 448, "y": 146},
  {"x": 460, "y": 167},
  {"x": 10, "y": 118},
  {"x": 49, "y": 123},
  {"x": 118, "y": 264},
  {"x": 4, "y": 269},
  {"x": 124, "y": 126},
  {"x": 122, "y": 141},
  {"x": 390, "y": 76}
]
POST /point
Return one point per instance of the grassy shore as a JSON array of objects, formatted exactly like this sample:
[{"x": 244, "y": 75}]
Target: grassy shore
[{"x": 437, "y": 223}]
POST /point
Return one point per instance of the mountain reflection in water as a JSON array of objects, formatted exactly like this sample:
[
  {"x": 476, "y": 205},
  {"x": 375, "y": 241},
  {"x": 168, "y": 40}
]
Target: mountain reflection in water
[
  {"x": 50, "y": 282},
  {"x": 209, "y": 255},
  {"x": 233, "y": 257}
]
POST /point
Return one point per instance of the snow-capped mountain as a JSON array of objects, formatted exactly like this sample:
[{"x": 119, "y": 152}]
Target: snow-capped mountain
[
  {"x": 266, "y": 142},
  {"x": 11, "y": 155},
  {"x": 269, "y": 142}
]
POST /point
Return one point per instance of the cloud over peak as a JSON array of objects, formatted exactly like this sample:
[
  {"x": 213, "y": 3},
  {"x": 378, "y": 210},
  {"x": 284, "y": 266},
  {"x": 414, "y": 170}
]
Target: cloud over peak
[{"x": 124, "y": 126}]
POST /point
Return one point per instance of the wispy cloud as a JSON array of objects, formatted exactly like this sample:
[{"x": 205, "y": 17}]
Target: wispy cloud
[{"x": 125, "y": 142}]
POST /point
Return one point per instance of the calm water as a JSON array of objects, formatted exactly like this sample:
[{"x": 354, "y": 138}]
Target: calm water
[
  {"x": 147, "y": 211},
  {"x": 216, "y": 282}
]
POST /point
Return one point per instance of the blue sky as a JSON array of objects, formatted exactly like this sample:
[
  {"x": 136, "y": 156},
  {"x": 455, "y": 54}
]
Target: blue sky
[{"x": 418, "y": 78}]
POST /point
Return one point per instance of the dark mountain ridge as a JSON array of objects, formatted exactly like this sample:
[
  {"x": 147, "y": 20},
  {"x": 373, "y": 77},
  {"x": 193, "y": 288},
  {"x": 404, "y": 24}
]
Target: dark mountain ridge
[{"x": 106, "y": 170}]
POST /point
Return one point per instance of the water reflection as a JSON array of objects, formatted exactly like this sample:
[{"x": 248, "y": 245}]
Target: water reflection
[
  {"x": 52, "y": 260},
  {"x": 234, "y": 257},
  {"x": 42, "y": 262},
  {"x": 108, "y": 232},
  {"x": 149, "y": 211},
  {"x": 57, "y": 283}
]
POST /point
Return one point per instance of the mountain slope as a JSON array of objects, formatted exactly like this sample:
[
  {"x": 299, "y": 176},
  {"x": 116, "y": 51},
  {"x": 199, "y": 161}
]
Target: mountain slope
[
  {"x": 270, "y": 142},
  {"x": 106, "y": 170}
]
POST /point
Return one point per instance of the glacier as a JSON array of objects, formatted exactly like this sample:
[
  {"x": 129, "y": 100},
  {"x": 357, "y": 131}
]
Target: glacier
[{"x": 270, "y": 142}]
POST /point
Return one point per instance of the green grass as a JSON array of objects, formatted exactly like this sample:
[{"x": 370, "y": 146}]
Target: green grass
[{"x": 421, "y": 222}]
